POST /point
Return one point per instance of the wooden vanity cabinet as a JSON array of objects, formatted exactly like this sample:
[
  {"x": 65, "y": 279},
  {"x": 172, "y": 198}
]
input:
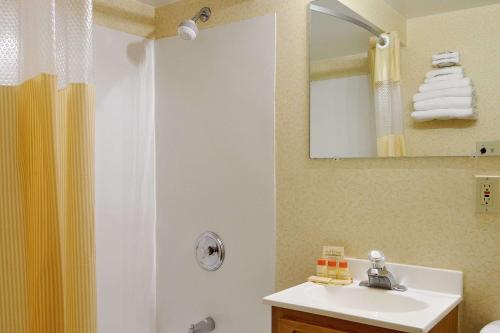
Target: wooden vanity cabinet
[{"x": 291, "y": 321}]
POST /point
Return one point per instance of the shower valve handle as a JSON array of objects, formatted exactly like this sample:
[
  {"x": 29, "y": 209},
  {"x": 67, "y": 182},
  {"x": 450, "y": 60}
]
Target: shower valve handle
[{"x": 205, "y": 326}]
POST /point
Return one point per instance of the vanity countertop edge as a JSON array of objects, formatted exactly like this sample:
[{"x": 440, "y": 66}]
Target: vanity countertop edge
[{"x": 440, "y": 289}]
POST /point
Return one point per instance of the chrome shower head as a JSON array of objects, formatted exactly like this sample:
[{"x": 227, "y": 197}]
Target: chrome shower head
[{"x": 188, "y": 29}]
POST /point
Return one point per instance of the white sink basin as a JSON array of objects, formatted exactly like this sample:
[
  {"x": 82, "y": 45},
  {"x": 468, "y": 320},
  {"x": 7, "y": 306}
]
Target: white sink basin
[
  {"x": 431, "y": 295},
  {"x": 365, "y": 299}
]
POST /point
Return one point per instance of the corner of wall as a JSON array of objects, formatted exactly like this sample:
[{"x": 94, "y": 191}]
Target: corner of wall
[
  {"x": 381, "y": 14},
  {"x": 129, "y": 16}
]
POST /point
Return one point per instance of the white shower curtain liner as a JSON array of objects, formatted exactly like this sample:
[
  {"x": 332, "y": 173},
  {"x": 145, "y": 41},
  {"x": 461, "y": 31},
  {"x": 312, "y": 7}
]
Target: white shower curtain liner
[
  {"x": 46, "y": 36},
  {"x": 58, "y": 36},
  {"x": 125, "y": 182}
]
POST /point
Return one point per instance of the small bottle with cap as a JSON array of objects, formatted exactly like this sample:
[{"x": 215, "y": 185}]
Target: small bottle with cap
[
  {"x": 321, "y": 268},
  {"x": 332, "y": 268},
  {"x": 343, "y": 271}
]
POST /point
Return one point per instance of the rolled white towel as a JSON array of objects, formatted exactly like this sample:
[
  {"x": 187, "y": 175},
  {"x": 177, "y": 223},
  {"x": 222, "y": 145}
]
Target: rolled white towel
[
  {"x": 465, "y": 82},
  {"x": 445, "y": 103},
  {"x": 447, "y": 54},
  {"x": 446, "y": 62},
  {"x": 444, "y": 77},
  {"x": 450, "y": 92},
  {"x": 444, "y": 71},
  {"x": 444, "y": 114}
]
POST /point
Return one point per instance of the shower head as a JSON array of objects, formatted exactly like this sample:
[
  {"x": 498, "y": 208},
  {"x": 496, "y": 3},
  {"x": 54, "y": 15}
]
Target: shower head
[{"x": 188, "y": 29}]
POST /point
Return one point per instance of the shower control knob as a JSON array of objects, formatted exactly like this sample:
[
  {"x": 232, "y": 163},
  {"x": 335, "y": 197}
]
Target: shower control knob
[
  {"x": 209, "y": 251},
  {"x": 212, "y": 250},
  {"x": 205, "y": 252}
]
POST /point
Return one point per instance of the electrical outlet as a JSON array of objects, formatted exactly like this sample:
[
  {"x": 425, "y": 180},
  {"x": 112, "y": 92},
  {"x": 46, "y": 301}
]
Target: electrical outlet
[
  {"x": 487, "y": 148},
  {"x": 487, "y": 194}
]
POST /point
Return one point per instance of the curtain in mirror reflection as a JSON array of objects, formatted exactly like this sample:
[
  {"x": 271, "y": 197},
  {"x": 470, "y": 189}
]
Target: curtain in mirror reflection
[{"x": 384, "y": 63}]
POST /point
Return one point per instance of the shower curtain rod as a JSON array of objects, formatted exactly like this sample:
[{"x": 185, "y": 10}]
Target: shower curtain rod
[{"x": 374, "y": 30}]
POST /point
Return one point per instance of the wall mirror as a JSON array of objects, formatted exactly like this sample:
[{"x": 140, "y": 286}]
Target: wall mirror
[{"x": 412, "y": 78}]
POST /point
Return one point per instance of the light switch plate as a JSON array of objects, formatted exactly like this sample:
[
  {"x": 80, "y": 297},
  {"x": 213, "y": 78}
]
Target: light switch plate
[
  {"x": 487, "y": 194},
  {"x": 487, "y": 148}
]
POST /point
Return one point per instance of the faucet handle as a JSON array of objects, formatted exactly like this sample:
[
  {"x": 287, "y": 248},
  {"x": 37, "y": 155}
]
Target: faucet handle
[
  {"x": 377, "y": 258},
  {"x": 205, "y": 326}
]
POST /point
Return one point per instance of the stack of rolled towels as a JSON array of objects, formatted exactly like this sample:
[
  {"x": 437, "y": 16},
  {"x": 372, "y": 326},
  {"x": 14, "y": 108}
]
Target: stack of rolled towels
[
  {"x": 446, "y": 93},
  {"x": 446, "y": 59}
]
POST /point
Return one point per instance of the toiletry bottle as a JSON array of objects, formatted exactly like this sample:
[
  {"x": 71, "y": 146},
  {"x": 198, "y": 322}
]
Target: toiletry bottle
[
  {"x": 321, "y": 268},
  {"x": 332, "y": 268},
  {"x": 343, "y": 271}
]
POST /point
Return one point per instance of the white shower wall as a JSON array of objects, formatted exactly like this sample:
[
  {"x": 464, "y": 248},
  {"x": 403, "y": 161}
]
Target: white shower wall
[
  {"x": 215, "y": 171},
  {"x": 125, "y": 184},
  {"x": 342, "y": 118}
]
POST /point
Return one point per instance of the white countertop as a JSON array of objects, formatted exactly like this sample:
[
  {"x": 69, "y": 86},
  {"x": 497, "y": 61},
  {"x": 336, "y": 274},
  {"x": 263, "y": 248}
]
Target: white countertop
[{"x": 416, "y": 310}]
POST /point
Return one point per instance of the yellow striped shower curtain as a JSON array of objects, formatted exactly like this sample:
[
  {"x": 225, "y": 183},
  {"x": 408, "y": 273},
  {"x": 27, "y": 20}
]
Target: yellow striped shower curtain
[{"x": 47, "y": 256}]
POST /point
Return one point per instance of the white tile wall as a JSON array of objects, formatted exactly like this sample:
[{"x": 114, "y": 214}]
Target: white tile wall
[{"x": 215, "y": 171}]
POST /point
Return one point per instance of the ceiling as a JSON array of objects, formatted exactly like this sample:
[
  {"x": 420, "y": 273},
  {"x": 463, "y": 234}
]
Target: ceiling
[
  {"x": 157, "y": 3},
  {"x": 416, "y": 8}
]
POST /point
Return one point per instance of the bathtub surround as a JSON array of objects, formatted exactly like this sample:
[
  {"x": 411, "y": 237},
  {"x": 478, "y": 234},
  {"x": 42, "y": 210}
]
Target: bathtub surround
[
  {"x": 215, "y": 161},
  {"x": 395, "y": 204}
]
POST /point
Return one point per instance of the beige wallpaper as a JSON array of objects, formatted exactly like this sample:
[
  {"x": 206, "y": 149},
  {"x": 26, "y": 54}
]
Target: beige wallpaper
[
  {"x": 129, "y": 16},
  {"x": 474, "y": 33},
  {"x": 419, "y": 211}
]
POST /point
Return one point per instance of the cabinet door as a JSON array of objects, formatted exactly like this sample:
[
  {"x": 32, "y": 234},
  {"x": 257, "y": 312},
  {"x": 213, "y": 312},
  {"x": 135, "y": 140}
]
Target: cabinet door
[{"x": 292, "y": 326}]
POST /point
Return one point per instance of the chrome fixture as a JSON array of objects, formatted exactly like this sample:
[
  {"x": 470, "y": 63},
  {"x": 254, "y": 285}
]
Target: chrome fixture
[
  {"x": 378, "y": 275},
  {"x": 209, "y": 251},
  {"x": 188, "y": 29},
  {"x": 383, "y": 39},
  {"x": 204, "y": 326},
  {"x": 203, "y": 15}
]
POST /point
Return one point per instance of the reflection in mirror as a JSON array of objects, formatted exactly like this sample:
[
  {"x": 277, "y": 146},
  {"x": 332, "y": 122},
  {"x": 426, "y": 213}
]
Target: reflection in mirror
[
  {"x": 434, "y": 94},
  {"x": 342, "y": 119}
]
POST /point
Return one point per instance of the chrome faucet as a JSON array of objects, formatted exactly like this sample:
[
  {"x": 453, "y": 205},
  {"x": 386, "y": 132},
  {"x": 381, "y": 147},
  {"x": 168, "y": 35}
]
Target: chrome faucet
[
  {"x": 205, "y": 326},
  {"x": 378, "y": 275}
]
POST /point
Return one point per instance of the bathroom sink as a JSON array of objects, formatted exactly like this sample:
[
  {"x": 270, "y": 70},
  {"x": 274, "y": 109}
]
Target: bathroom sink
[
  {"x": 431, "y": 295},
  {"x": 364, "y": 299}
]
